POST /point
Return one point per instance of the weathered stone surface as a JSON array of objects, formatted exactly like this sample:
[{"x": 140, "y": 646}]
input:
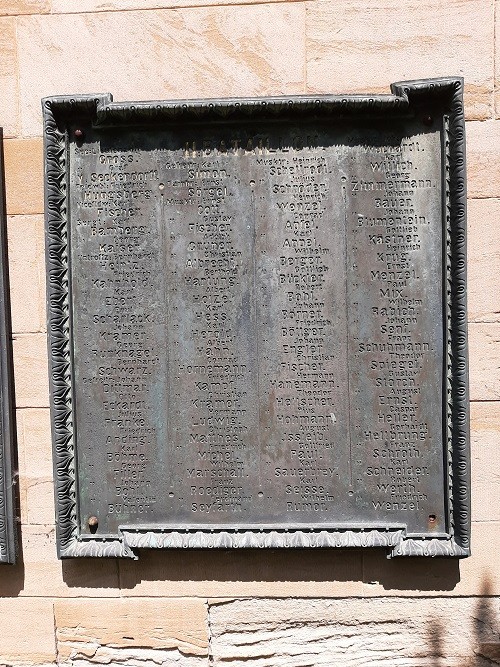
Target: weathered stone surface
[
  {"x": 41, "y": 574},
  {"x": 9, "y": 87},
  {"x": 363, "y": 47},
  {"x": 40, "y": 500},
  {"x": 220, "y": 573},
  {"x": 34, "y": 441},
  {"x": 35, "y": 466},
  {"x": 485, "y": 461},
  {"x": 483, "y": 166},
  {"x": 483, "y": 260},
  {"x": 21, "y": 478},
  {"x": 200, "y": 52},
  {"x": 484, "y": 362},
  {"x": 30, "y": 369},
  {"x": 24, "y": 175},
  {"x": 64, "y": 6},
  {"x": 27, "y": 635},
  {"x": 354, "y": 632},
  {"x": 26, "y": 267},
  {"x": 13, "y": 7},
  {"x": 496, "y": 47},
  {"x": 132, "y": 632}
]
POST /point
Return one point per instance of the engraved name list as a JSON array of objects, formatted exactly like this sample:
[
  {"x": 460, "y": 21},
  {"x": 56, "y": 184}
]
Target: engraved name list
[{"x": 254, "y": 335}]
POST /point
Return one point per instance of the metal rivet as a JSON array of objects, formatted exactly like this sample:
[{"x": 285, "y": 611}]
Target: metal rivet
[
  {"x": 432, "y": 518},
  {"x": 93, "y": 523},
  {"x": 78, "y": 134}
]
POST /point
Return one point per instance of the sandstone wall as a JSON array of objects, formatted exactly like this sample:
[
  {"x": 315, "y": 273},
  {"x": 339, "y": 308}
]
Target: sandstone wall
[{"x": 347, "y": 608}]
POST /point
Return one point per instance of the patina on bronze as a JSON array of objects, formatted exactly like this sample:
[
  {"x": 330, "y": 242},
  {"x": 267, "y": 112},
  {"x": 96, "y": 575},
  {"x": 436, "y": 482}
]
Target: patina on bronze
[
  {"x": 8, "y": 460},
  {"x": 257, "y": 322}
]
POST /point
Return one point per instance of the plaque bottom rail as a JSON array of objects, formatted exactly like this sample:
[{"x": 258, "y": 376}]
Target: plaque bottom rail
[{"x": 394, "y": 539}]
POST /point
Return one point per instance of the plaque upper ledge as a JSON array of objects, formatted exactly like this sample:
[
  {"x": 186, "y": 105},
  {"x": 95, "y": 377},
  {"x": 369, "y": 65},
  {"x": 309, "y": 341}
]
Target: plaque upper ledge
[{"x": 104, "y": 111}]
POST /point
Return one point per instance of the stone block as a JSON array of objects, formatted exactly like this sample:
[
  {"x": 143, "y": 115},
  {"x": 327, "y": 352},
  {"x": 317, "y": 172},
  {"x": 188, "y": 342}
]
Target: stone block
[
  {"x": 483, "y": 260},
  {"x": 27, "y": 636},
  {"x": 260, "y": 573},
  {"x": 440, "y": 577},
  {"x": 15, "y": 7},
  {"x": 40, "y": 500},
  {"x": 34, "y": 441},
  {"x": 353, "y": 632},
  {"x": 497, "y": 57},
  {"x": 41, "y": 574},
  {"x": 24, "y": 176},
  {"x": 483, "y": 166},
  {"x": 173, "y": 632},
  {"x": 167, "y": 54},
  {"x": 30, "y": 370},
  {"x": 64, "y": 6},
  {"x": 485, "y": 460},
  {"x": 484, "y": 361},
  {"x": 26, "y": 273},
  {"x": 9, "y": 86},
  {"x": 355, "y": 47},
  {"x": 22, "y": 482},
  {"x": 35, "y": 465}
]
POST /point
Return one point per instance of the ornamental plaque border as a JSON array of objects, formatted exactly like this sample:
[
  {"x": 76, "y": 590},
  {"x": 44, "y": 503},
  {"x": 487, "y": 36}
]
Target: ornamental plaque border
[
  {"x": 8, "y": 462},
  {"x": 103, "y": 112}
]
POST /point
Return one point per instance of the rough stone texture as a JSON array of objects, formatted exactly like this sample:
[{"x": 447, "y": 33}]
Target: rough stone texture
[
  {"x": 27, "y": 635},
  {"x": 359, "y": 46},
  {"x": 26, "y": 267},
  {"x": 34, "y": 441},
  {"x": 68, "y": 6},
  {"x": 244, "y": 572},
  {"x": 41, "y": 574},
  {"x": 30, "y": 363},
  {"x": 14, "y": 7},
  {"x": 201, "y": 52},
  {"x": 483, "y": 264},
  {"x": 483, "y": 166},
  {"x": 484, "y": 362},
  {"x": 485, "y": 461},
  {"x": 24, "y": 175},
  {"x": 497, "y": 58},
  {"x": 132, "y": 632},
  {"x": 35, "y": 465},
  {"x": 351, "y": 633},
  {"x": 8, "y": 77}
]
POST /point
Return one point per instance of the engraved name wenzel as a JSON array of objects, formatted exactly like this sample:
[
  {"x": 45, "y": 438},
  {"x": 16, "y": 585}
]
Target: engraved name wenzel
[{"x": 258, "y": 337}]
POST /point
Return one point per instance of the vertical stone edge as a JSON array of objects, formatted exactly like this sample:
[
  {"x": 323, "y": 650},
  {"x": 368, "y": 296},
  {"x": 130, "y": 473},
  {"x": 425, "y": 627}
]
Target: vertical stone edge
[{"x": 9, "y": 505}]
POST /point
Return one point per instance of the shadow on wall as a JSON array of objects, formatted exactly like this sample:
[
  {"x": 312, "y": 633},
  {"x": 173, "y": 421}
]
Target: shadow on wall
[
  {"x": 279, "y": 566},
  {"x": 486, "y": 633},
  {"x": 308, "y": 567}
]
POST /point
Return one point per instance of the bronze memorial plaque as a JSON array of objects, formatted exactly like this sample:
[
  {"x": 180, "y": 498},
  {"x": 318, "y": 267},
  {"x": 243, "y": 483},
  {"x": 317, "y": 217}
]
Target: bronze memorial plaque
[
  {"x": 257, "y": 322},
  {"x": 8, "y": 458}
]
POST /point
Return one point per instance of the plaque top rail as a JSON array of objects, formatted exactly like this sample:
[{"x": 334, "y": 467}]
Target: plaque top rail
[
  {"x": 107, "y": 112},
  {"x": 257, "y": 322}
]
